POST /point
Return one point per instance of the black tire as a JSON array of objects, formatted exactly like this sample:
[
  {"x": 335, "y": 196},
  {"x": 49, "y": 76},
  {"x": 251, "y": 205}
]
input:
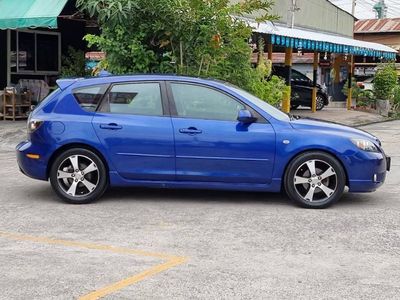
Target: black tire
[
  {"x": 97, "y": 179},
  {"x": 320, "y": 102},
  {"x": 325, "y": 191}
]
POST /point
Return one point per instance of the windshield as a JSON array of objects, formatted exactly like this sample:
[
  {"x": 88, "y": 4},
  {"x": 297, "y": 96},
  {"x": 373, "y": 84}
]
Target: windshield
[{"x": 274, "y": 112}]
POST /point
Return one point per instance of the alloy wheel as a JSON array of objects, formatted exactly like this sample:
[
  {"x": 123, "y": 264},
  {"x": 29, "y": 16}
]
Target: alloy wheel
[
  {"x": 320, "y": 103},
  {"x": 315, "y": 181},
  {"x": 78, "y": 176}
]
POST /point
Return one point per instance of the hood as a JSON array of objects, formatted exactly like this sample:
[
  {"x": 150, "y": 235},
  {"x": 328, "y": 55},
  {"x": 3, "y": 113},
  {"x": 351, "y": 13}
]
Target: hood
[{"x": 332, "y": 128}]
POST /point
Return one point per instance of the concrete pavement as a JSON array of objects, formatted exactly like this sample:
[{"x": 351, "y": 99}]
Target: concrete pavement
[{"x": 341, "y": 115}]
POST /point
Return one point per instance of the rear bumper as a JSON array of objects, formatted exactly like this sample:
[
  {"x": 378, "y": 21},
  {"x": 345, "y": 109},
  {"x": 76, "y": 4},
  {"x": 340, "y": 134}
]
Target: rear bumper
[{"x": 34, "y": 168}]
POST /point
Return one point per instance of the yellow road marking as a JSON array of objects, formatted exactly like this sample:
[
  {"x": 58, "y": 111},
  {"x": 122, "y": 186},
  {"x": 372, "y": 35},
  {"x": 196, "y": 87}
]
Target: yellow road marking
[
  {"x": 132, "y": 280},
  {"x": 171, "y": 262},
  {"x": 91, "y": 246}
]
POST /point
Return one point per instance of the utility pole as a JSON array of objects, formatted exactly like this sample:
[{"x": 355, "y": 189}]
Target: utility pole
[
  {"x": 353, "y": 7},
  {"x": 292, "y": 9}
]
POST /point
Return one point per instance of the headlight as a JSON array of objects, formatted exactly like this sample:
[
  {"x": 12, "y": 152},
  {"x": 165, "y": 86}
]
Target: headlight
[
  {"x": 365, "y": 145},
  {"x": 33, "y": 125}
]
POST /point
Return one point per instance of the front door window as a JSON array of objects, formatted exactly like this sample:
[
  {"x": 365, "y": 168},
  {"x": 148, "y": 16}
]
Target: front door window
[{"x": 198, "y": 102}]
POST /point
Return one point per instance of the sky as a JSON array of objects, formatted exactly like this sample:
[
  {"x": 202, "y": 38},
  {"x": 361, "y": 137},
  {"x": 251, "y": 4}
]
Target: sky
[{"x": 364, "y": 7}]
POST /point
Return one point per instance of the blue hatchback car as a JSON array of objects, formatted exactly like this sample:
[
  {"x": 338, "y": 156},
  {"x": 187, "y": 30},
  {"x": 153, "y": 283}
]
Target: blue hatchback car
[{"x": 181, "y": 132}]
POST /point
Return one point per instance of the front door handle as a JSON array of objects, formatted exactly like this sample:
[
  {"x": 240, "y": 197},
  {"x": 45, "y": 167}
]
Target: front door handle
[
  {"x": 190, "y": 131},
  {"x": 111, "y": 126}
]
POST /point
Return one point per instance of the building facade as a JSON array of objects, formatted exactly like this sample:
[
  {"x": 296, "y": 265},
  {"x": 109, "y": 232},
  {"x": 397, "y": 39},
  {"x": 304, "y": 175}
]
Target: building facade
[
  {"x": 383, "y": 31},
  {"x": 320, "y": 28},
  {"x": 31, "y": 46}
]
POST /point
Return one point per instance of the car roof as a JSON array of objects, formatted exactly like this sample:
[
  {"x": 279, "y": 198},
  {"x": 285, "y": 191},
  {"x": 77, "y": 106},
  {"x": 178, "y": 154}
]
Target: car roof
[{"x": 67, "y": 82}]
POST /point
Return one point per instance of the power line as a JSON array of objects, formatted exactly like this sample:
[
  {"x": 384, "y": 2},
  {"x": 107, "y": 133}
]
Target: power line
[
  {"x": 393, "y": 6},
  {"x": 365, "y": 8}
]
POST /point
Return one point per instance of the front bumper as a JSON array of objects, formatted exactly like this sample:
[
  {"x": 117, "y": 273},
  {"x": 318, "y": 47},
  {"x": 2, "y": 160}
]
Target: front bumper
[
  {"x": 34, "y": 168},
  {"x": 367, "y": 171}
]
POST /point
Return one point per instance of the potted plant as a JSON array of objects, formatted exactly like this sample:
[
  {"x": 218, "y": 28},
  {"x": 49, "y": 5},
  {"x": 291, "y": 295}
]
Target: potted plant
[
  {"x": 356, "y": 90},
  {"x": 366, "y": 100},
  {"x": 384, "y": 83}
]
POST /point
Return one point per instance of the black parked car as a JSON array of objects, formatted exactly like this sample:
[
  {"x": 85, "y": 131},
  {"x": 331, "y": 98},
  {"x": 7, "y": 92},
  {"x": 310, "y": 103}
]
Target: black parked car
[{"x": 302, "y": 88}]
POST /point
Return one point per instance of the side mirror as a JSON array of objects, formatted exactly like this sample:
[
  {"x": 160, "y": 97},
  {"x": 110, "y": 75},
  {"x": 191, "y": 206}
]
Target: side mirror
[{"x": 246, "y": 117}]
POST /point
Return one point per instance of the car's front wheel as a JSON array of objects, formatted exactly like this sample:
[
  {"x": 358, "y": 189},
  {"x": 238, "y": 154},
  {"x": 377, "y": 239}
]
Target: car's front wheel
[
  {"x": 78, "y": 176},
  {"x": 315, "y": 180}
]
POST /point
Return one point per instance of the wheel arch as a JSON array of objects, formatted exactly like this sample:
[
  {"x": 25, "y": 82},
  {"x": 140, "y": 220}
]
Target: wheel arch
[
  {"x": 76, "y": 145},
  {"x": 314, "y": 150}
]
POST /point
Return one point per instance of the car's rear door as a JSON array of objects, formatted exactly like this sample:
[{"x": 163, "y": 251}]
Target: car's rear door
[
  {"x": 211, "y": 145},
  {"x": 135, "y": 128}
]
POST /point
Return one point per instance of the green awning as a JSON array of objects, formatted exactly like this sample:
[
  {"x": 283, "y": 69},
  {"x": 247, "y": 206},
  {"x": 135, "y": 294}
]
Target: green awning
[{"x": 30, "y": 13}]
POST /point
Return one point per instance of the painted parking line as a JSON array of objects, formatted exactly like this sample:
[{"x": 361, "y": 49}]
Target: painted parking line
[{"x": 170, "y": 261}]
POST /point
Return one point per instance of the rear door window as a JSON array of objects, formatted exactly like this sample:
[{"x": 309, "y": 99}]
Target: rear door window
[
  {"x": 89, "y": 97},
  {"x": 134, "y": 99}
]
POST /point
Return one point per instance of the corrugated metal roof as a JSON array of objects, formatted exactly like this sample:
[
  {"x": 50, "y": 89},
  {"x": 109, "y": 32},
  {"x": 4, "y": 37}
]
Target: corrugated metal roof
[{"x": 377, "y": 25}]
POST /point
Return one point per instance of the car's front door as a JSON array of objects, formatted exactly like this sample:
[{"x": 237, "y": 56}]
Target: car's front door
[
  {"x": 211, "y": 145},
  {"x": 136, "y": 132}
]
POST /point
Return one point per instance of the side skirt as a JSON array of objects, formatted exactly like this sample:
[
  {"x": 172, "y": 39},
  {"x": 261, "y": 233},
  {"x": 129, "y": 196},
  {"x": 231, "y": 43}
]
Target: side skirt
[{"x": 117, "y": 181}]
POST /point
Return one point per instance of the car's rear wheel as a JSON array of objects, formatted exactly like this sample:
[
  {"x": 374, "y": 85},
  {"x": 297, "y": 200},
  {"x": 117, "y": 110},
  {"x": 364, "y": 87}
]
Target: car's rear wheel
[
  {"x": 78, "y": 176},
  {"x": 320, "y": 102},
  {"x": 315, "y": 180}
]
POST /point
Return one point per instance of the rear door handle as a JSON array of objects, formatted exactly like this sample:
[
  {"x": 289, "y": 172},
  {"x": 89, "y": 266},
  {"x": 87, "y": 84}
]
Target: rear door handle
[
  {"x": 111, "y": 126},
  {"x": 190, "y": 131}
]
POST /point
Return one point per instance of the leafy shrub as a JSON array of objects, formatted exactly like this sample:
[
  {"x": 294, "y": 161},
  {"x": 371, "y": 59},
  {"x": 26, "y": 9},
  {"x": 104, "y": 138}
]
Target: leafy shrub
[
  {"x": 186, "y": 37},
  {"x": 356, "y": 90},
  {"x": 74, "y": 64},
  {"x": 396, "y": 101},
  {"x": 396, "y": 95},
  {"x": 366, "y": 98},
  {"x": 385, "y": 81},
  {"x": 263, "y": 85}
]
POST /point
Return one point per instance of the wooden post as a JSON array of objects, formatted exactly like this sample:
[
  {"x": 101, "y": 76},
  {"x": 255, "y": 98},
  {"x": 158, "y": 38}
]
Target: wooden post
[
  {"x": 315, "y": 89},
  {"x": 350, "y": 88},
  {"x": 270, "y": 51},
  {"x": 336, "y": 66},
  {"x": 288, "y": 93}
]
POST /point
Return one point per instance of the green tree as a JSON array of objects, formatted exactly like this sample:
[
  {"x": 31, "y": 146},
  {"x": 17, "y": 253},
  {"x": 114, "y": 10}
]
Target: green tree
[
  {"x": 385, "y": 81},
  {"x": 205, "y": 38}
]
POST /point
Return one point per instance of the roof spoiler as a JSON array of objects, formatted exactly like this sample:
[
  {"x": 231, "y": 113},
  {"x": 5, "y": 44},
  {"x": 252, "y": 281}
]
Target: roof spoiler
[{"x": 65, "y": 83}]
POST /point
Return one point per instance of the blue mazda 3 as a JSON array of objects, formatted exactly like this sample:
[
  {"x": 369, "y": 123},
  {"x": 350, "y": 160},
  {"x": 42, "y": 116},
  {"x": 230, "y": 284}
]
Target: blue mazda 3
[{"x": 178, "y": 132}]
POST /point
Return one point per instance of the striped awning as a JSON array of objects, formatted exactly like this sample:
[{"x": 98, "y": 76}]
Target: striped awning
[
  {"x": 320, "y": 41},
  {"x": 30, "y": 13}
]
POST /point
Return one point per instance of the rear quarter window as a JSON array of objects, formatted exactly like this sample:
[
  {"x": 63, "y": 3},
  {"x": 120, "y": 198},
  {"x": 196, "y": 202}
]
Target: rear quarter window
[
  {"x": 89, "y": 97},
  {"x": 43, "y": 104}
]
